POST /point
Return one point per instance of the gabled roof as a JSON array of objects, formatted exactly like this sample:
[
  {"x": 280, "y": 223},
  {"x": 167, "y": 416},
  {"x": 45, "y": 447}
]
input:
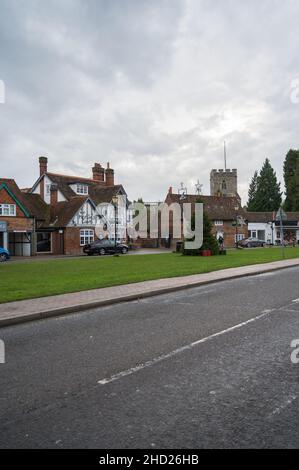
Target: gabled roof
[
  {"x": 98, "y": 191},
  {"x": 217, "y": 207},
  {"x": 101, "y": 194},
  {"x": 62, "y": 213},
  {"x": 31, "y": 204}
]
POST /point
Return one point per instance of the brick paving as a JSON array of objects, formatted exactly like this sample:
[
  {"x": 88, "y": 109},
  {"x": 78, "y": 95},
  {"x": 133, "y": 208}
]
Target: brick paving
[{"x": 25, "y": 310}]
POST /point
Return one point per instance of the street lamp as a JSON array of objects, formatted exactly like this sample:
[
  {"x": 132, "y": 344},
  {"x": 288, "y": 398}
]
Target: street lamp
[
  {"x": 237, "y": 223},
  {"x": 272, "y": 230},
  {"x": 281, "y": 216},
  {"x": 114, "y": 202}
]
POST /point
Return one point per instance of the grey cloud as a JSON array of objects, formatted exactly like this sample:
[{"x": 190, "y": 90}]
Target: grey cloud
[{"x": 153, "y": 86}]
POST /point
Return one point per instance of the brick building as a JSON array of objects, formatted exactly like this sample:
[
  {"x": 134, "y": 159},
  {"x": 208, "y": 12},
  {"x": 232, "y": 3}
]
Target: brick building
[
  {"x": 75, "y": 207},
  {"x": 19, "y": 214},
  {"x": 61, "y": 213},
  {"x": 226, "y": 214}
]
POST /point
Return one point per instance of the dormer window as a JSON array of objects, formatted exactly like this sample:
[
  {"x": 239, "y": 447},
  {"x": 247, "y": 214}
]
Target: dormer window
[{"x": 81, "y": 189}]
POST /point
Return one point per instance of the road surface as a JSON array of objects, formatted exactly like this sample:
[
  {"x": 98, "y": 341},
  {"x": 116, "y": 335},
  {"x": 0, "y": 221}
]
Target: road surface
[{"x": 201, "y": 368}]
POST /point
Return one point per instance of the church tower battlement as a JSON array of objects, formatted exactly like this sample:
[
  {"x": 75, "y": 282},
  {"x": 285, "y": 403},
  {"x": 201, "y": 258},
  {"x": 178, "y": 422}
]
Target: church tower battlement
[{"x": 224, "y": 183}]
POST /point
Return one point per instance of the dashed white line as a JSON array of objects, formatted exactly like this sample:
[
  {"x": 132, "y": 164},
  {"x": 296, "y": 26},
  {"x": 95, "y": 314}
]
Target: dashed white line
[{"x": 163, "y": 357}]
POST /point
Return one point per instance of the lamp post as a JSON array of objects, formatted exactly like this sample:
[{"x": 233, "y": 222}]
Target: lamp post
[
  {"x": 272, "y": 230},
  {"x": 237, "y": 223},
  {"x": 114, "y": 202},
  {"x": 281, "y": 216}
]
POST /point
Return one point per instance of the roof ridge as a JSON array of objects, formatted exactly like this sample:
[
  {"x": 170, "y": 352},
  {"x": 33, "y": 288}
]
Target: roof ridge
[{"x": 72, "y": 176}]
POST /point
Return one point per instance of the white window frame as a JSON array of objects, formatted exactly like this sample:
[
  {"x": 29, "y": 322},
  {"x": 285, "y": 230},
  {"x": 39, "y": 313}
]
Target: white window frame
[
  {"x": 8, "y": 210},
  {"x": 218, "y": 222},
  {"x": 251, "y": 232},
  {"x": 239, "y": 237},
  {"x": 81, "y": 189},
  {"x": 86, "y": 236}
]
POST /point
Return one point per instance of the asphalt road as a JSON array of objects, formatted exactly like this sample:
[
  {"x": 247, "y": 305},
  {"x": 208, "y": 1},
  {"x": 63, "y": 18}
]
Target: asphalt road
[{"x": 202, "y": 368}]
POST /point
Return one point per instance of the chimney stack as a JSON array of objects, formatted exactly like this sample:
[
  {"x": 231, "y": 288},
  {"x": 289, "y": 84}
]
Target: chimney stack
[
  {"x": 109, "y": 175},
  {"x": 43, "y": 165},
  {"x": 170, "y": 190},
  {"x": 98, "y": 172},
  {"x": 53, "y": 195}
]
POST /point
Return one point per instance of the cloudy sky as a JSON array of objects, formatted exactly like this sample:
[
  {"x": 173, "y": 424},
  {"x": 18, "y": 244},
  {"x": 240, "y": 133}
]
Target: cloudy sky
[{"x": 153, "y": 86}]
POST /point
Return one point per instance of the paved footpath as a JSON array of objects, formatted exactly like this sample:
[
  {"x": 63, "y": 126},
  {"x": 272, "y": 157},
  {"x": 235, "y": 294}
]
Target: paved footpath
[{"x": 26, "y": 310}]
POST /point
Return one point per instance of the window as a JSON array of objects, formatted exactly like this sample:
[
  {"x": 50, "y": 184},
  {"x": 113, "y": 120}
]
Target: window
[
  {"x": 81, "y": 189},
  {"x": 43, "y": 242},
  {"x": 48, "y": 188},
  {"x": 8, "y": 209},
  {"x": 252, "y": 233},
  {"x": 224, "y": 187},
  {"x": 86, "y": 237},
  {"x": 218, "y": 222},
  {"x": 239, "y": 237}
]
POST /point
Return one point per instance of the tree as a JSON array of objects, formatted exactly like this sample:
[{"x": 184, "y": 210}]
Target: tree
[
  {"x": 209, "y": 240},
  {"x": 252, "y": 192},
  {"x": 267, "y": 196},
  {"x": 291, "y": 180}
]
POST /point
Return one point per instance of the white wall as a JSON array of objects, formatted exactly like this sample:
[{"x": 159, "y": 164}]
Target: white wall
[
  {"x": 262, "y": 226},
  {"x": 47, "y": 197}
]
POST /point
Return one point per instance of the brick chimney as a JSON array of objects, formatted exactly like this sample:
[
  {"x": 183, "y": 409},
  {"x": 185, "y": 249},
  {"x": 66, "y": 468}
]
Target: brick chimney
[
  {"x": 98, "y": 172},
  {"x": 109, "y": 175},
  {"x": 43, "y": 168},
  {"x": 170, "y": 190},
  {"x": 53, "y": 195},
  {"x": 43, "y": 165}
]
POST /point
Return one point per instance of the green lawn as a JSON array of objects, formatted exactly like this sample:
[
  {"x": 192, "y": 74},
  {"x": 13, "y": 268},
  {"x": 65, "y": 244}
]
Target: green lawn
[{"x": 40, "y": 278}]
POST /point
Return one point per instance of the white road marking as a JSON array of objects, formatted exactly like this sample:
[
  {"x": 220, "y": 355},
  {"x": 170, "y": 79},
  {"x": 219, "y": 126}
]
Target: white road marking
[
  {"x": 163, "y": 357},
  {"x": 295, "y": 301},
  {"x": 283, "y": 405}
]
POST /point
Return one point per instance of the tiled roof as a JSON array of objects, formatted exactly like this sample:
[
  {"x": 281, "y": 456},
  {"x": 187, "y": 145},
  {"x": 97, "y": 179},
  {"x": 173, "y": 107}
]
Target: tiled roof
[
  {"x": 63, "y": 212},
  {"x": 33, "y": 203},
  {"x": 100, "y": 194},
  {"x": 265, "y": 217},
  {"x": 217, "y": 207},
  {"x": 260, "y": 217}
]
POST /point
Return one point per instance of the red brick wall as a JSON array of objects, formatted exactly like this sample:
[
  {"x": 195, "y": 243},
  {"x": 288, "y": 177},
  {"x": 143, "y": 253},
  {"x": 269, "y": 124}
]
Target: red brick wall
[
  {"x": 229, "y": 232},
  {"x": 20, "y": 221},
  {"x": 5, "y": 198},
  {"x": 72, "y": 241}
]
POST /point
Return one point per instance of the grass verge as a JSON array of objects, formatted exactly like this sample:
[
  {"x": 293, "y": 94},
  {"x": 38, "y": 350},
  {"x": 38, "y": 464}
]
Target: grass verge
[{"x": 27, "y": 280}]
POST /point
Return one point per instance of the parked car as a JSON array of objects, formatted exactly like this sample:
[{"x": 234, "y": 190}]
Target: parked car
[
  {"x": 4, "y": 254},
  {"x": 252, "y": 243},
  {"x": 104, "y": 247}
]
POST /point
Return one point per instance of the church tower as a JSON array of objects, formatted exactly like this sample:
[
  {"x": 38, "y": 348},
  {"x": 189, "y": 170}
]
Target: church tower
[{"x": 224, "y": 183}]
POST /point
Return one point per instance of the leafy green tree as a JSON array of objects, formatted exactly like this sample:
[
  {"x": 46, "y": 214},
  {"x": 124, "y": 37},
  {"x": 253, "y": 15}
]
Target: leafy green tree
[
  {"x": 268, "y": 194},
  {"x": 291, "y": 180},
  {"x": 252, "y": 192}
]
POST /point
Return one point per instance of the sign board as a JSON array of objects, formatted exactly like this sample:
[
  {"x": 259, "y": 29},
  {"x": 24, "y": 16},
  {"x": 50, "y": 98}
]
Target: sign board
[{"x": 3, "y": 226}]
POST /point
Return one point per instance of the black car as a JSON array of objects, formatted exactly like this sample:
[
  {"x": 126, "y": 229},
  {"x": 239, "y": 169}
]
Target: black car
[{"x": 104, "y": 247}]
